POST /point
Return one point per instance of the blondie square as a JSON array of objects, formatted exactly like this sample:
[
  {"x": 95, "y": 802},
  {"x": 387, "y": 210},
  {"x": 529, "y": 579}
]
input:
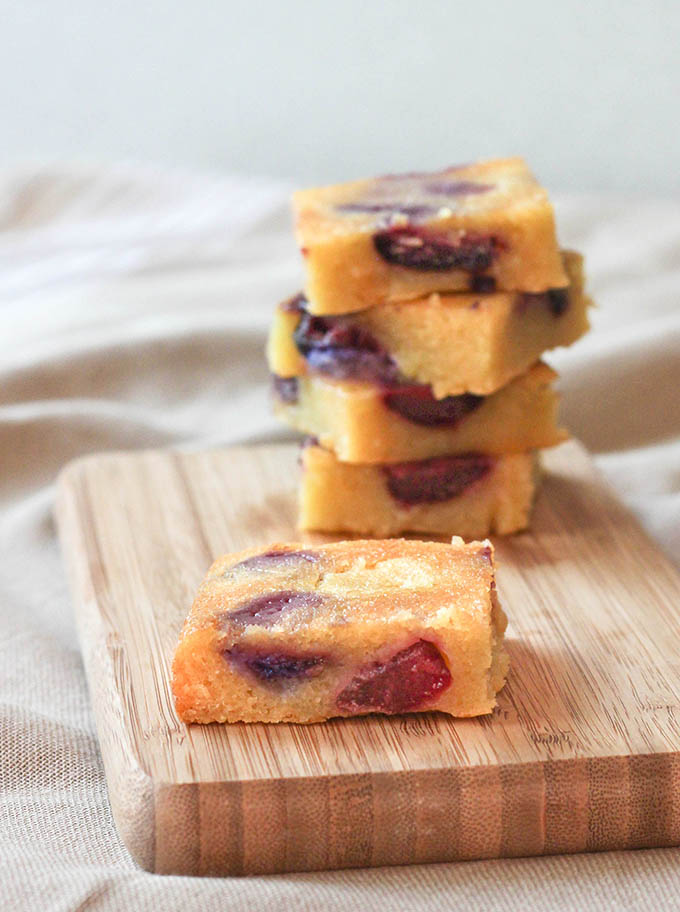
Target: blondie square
[
  {"x": 484, "y": 226},
  {"x": 470, "y": 495},
  {"x": 299, "y": 634},
  {"x": 368, "y": 422},
  {"x": 456, "y": 343}
]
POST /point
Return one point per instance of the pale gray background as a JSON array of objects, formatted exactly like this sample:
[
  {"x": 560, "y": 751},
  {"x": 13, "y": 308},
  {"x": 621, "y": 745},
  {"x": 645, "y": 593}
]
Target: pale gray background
[{"x": 312, "y": 91}]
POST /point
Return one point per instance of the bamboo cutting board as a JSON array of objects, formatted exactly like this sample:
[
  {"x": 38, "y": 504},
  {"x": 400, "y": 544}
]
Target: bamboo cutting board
[{"x": 583, "y": 752}]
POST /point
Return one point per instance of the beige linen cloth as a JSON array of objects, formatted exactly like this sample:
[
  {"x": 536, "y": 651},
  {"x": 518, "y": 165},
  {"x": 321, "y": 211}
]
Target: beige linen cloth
[{"x": 134, "y": 306}]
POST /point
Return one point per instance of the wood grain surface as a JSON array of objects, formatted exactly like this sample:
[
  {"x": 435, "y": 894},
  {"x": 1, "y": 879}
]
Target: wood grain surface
[{"x": 582, "y": 753}]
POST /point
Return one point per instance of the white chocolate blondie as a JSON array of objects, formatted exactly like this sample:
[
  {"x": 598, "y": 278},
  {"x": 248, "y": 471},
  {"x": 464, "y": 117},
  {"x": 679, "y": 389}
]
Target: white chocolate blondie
[
  {"x": 470, "y": 495},
  {"x": 481, "y": 227},
  {"x": 455, "y": 343},
  {"x": 298, "y": 634},
  {"x": 368, "y": 422}
]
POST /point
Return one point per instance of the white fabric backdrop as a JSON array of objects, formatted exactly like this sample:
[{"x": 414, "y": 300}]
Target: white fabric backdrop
[{"x": 134, "y": 306}]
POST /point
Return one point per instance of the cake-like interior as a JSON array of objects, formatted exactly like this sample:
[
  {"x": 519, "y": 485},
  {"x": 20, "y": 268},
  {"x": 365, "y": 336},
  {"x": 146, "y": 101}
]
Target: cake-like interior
[
  {"x": 471, "y": 495},
  {"x": 301, "y": 634},
  {"x": 364, "y": 421},
  {"x": 479, "y": 227},
  {"x": 456, "y": 343}
]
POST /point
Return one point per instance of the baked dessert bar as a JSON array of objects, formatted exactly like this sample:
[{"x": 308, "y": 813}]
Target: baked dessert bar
[
  {"x": 471, "y": 495},
  {"x": 481, "y": 227},
  {"x": 299, "y": 634},
  {"x": 457, "y": 343},
  {"x": 363, "y": 421}
]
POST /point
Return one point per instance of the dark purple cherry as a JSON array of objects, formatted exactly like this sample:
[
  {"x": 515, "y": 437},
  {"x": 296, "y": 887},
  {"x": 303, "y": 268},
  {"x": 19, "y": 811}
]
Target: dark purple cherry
[
  {"x": 558, "y": 300},
  {"x": 416, "y": 248},
  {"x": 457, "y": 188},
  {"x": 266, "y": 610},
  {"x": 285, "y": 388},
  {"x": 352, "y": 364},
  {"x": 296, "y": 304},
  {"x": 338, "y": 347},
  {"x": 555, "y": 299},
  {"x": 482, "y": 284},
  {"x": 313, "y": 332},
  {"x": 435, "y": 480},
  {"x": 271, "y": 559},
  {"x": 277, "y": 666},
  {"x": 416, "y": 403},
  {"x": 419, "y": 211},
  {"x": 405, "y": 682}
]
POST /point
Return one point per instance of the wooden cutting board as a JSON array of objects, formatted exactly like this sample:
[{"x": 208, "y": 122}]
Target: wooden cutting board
[{"x": 583, "y": 752}]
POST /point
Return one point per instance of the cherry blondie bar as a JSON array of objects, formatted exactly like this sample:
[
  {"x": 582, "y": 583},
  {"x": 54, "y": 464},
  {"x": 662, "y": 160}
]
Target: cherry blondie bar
[
  {"x": 478, "y": 227},
  {"x": 300, "y": 634},
  {"x": 368, "y": 422},
  {"x": 456, "y": 343},
  {"x": 472, "y": 495}
]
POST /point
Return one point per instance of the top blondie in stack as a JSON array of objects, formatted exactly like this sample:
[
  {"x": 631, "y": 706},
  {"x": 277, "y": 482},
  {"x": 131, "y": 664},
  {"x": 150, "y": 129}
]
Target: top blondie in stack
[{"x": 412, "y": 357}]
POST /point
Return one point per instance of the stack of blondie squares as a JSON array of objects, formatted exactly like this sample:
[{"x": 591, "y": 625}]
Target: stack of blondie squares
[{"x": 412, "y": 359}]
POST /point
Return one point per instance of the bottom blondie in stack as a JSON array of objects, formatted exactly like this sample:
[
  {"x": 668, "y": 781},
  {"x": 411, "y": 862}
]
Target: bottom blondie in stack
[{"x": 425, "y": 412}]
